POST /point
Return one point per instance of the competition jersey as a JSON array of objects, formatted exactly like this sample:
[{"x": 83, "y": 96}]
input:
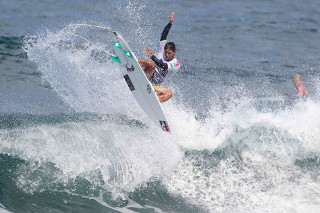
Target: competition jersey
[
  {"x": 162, "y": 75},
  {"x": 302, "y": 91}
]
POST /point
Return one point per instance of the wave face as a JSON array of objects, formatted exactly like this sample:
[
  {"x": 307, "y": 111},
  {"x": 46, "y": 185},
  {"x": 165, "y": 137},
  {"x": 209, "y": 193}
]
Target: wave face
[{"x": 73, "y": 138}]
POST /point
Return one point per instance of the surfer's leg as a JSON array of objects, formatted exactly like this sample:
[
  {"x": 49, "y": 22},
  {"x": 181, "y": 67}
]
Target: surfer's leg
[
  {"x": 148, "y": 67},
  {"x": 162, "y": 93}
]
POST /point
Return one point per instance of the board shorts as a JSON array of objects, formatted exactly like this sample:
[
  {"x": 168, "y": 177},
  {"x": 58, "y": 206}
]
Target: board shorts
[
  {"x": 153, "y": 80},
  {"x": 157, "y": 88},
  {"x": 155, "y": 85}
]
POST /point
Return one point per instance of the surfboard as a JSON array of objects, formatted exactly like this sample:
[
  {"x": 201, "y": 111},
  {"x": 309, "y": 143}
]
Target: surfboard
[{"x": 138, "y": 83}]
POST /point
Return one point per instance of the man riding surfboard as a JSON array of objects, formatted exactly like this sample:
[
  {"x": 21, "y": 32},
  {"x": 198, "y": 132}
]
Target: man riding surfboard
[{"x": 163, "y": 65}]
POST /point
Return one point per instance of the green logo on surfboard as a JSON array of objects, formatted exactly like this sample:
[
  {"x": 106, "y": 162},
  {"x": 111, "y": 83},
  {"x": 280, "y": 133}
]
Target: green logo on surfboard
[
  {"x": 117, "y": 44},
  {"x": 115, "y": 58},
  {"x": 128, "y": 53}
]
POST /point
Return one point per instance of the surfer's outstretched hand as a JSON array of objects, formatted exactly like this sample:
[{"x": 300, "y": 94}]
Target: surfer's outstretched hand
[
  {"x": 171, "y": 18},
  {"x": 148, "y": 52}
]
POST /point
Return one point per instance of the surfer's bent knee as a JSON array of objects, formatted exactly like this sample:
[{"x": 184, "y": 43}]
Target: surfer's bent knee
[
  {"x": 148, "y": 67},
  {"x": 147, "y": 64}
]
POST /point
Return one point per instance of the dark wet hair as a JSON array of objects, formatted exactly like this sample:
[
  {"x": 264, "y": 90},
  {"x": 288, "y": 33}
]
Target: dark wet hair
[{"x": 171, "y": 46}]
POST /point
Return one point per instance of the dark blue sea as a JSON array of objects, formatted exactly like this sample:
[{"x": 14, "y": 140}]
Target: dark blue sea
[{"x": 73, "y": 138}]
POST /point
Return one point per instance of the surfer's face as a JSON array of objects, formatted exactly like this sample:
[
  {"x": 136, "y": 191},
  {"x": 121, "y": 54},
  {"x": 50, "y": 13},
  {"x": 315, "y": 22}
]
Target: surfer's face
[
  {"x": 297, "y": 82},
  {"x": 169, "y": 54}
]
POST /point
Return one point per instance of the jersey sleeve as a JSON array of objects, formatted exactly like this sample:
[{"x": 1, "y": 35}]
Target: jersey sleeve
[
  {"x": 161, "y": 49},
  {"x": 159, "y": 62},
  {"x": 165, "y": 32}
]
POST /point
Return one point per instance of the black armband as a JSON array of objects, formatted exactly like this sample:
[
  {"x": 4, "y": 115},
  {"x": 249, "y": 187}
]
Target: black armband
[
  {"x": 165, "y": 32},
  {"x": 159, "y": 62}
]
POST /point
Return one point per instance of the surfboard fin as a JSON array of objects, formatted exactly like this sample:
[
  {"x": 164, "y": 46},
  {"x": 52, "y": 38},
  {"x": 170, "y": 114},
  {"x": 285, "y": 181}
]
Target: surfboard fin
[
  {"x": 128, "y": 53},
  {"x": 117, "y": 44},
  {"x": 115, "y": 58},
  {"x": 114, "y": 32}
]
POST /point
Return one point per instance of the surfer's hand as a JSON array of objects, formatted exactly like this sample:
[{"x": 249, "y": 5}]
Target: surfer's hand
[
  {"x": 148, "y": 52},
  {"x": 171, "y": 18}
]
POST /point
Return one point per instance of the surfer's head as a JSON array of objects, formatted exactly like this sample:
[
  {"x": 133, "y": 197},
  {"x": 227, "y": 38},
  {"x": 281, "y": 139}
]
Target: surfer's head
[
  {"x": 169, "y": 50},
  {"x": 297, "y": 80}
]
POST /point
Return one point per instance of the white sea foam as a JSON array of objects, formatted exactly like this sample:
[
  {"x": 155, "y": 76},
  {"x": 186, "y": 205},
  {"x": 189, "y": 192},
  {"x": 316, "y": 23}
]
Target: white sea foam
[
  {"x": 257, "y": 173},
  {"x": 3, "y": 209},
  {"x": 248, "y": 160},
  {"x": 126, "y": 156}
]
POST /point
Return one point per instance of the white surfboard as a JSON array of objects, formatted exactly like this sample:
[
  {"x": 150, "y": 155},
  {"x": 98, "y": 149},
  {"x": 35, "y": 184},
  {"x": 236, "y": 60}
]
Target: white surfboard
[{"x": 138, "y": 83}]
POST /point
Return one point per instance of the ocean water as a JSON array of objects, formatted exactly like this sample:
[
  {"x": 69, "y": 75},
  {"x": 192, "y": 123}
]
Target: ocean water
[{"x": 73, "y": 138}]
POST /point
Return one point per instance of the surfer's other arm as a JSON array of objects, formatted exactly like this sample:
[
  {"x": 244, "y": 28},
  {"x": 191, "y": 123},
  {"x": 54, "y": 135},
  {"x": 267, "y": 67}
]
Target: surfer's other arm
[
  {"x": 166, "y": 58},
  {"x": 157, "y": 61}
]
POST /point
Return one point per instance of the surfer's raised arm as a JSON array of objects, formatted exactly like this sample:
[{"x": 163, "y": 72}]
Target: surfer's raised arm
[{"x": 165, "y": 31}]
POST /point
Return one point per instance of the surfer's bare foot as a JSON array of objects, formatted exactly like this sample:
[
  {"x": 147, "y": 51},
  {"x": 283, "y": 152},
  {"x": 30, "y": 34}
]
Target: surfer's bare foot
[
  {"x": 165, "y": 95},
  {"x": 162, "y": 93}
]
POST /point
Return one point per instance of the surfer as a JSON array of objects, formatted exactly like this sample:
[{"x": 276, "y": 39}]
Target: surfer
[
  {"x": 301, "y": 90},
  {"x": 163, "y": 65}
]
